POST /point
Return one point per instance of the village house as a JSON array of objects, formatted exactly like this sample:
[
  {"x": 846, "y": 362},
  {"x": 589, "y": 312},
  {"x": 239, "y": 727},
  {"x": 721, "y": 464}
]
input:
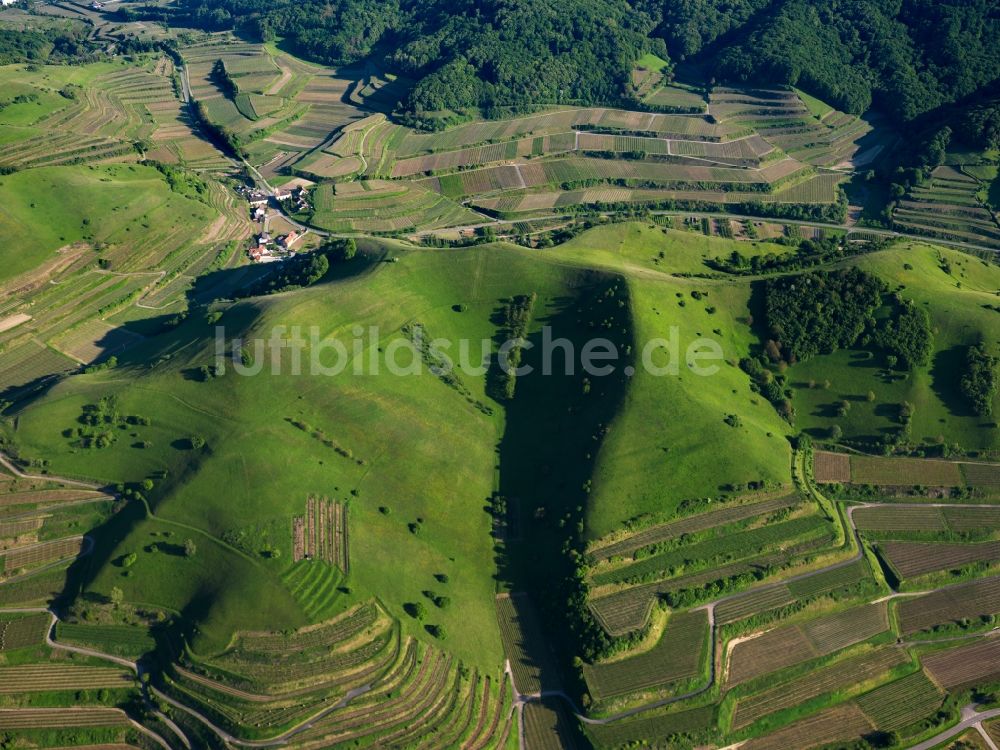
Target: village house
[
  {"x": 282, "y": 195},
  {"x": 256, "y": 198},
  {"x": 259, "y": 213},
  {"x": 288, "y": 240}
]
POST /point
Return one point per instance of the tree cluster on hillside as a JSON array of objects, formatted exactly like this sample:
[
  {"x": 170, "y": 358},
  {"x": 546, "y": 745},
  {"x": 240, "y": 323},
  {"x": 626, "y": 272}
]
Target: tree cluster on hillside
[
  {"x": 690, "y": 25},
  {"x": 905, "y": 335},
  {"x": 502, "y": 56},
  {"x": 909, "y": 56},
  {"x": 514, "y": 318},
  {"x": 810, "y": 253},
  {"x": 498, "y": 56},
  {"x": 44, "y": 45},
  {"x": 820, "y": 312},
  {"x": 979, "y": 125},
  {"x": 979, "y": 381}
]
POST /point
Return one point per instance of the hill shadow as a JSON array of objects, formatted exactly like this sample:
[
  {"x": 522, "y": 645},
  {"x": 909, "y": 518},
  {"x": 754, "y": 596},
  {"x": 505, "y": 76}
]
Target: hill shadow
[
  {"x": 946, "y": 370},
  {"x": 554, "y": 428}
]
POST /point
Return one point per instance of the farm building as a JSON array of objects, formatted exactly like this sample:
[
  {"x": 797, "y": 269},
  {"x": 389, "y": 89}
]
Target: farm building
[{"x": 256, "y": 198}]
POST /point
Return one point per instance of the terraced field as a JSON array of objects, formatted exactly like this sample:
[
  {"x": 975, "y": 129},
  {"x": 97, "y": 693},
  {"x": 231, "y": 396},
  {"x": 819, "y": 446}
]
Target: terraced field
[
  {"x": 402, "y": 693},
  {"x": 838, "y": 724},
  {"x": 630, "y": 543},
  {"x": 531, "y": 659},
  {"x": 729, "y": 547},
  {"x": 121, "y": 640},
  {"x": 965, "y": 665},
  {"x": 980, "y": 598},
  {"x": 22, "y": 631},
  {"x": 785, "y": 120},
  {"x": 949, "y": 207},
  {"x": 547, "y": 727},
  {"x": 886, "y": 520},
  {"x": 152, "y": 240},
  {"x": 52, "y": 677},
  {"x": 847, "y": 673},
  {"x": 379, "y": 206},
  {"x": 535, "y": 163},
  {"x": 900, "y": 703},
  {"x": 913, "y": 559},
  {"x": 677, "y": 656},
  {"x": 791, "y": 644}
]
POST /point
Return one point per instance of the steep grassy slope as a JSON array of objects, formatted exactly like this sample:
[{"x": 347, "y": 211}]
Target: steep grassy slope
[
  {"x": 412, "y": 456},
  {"x": 48, "y": 208}
]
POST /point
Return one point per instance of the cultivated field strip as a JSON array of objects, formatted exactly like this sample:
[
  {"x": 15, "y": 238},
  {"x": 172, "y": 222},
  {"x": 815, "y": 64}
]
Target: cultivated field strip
[
  {"x": 843, "y": 674},
  {"x": 834, "y": 632},
  {"x": 51, "y": 677},
  {"x": 755, "y": 601},
  {"x": 968, "y": 600},
  {"x": 727, "y": 547},
  {"x": 750, "y": 603},
  {"x": 965, "y": 665},
  {"x": 888, "y": 518},
  {"x": 525, "y": 646},
  {"x": 11, "y": 529},
  {"x": 791, "y": 644},
  {"x": 688, "y": 525},
  {"x": 123, "y": 640},
  {"x": 912, "y": 559},
  {"x": 904, "y": 471},
  {"x": 638, "y": 730},
  {"x": 33, "y": 718},
  {"x": 40, "y": 554},
  {"x": 981, "y": 475},
  {"x": 769, "y": 652},
  {"x": 841, "y": 723},
  {"x": 831, "y": 467},
  {"x": 321, "y": 534},
  {"x": 20, "y": 632},
  {"x": 547, "y": 727},
  {"x": 39, "y": 588},
  {"x": 900, "y": 703}
]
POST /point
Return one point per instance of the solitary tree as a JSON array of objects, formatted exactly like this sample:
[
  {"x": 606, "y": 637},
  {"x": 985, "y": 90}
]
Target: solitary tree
[{"x": 189, "y": 548}]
